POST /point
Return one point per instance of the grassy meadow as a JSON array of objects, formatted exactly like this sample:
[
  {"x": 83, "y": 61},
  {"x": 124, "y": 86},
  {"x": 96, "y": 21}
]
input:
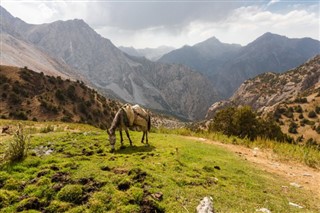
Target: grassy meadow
[{"x": 69, "y": 168}]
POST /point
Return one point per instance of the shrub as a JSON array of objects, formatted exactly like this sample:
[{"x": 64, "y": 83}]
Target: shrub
[
  {"x": 47, "y": 129},
  {"x": 317, "y": 109},
  {"x": 301, "y": 100},
  {"x": 18, "y": 148},
  {"x": 71, "y": 193},
  {"x": 298, "y": 109},
  {"x": 244, "y": 123},
  {"x": 293, "y": 128},
  {"x": 312, "y": 114}
]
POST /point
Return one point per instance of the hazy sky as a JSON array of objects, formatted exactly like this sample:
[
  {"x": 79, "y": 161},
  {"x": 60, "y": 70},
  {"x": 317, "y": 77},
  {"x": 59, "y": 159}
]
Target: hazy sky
[{"x": 176, "y": 23}]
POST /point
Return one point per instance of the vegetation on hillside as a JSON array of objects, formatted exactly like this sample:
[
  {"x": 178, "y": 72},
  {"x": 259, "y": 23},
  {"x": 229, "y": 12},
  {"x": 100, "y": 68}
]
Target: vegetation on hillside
[
  {"x": 243, "y": 122},
  {"x": 27, "y": 95}
]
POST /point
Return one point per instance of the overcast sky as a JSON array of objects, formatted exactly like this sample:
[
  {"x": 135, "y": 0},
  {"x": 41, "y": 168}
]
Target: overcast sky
[{"x": 176, "y": 23}]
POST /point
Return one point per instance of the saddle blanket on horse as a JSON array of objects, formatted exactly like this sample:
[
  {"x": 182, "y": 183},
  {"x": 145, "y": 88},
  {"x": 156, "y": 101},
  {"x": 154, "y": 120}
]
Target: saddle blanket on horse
[{"x": 135, "y": 114}]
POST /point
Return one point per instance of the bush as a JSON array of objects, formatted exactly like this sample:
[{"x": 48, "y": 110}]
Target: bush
[
  {"x": 18, "y": 148},
  {"x": 312, "y": 114},
  {"x": 244, "y": 123},
  {"x": 298, "y": 109},
  {"x": 301, "y": 100},
  {"x": 293, "y": 128}
]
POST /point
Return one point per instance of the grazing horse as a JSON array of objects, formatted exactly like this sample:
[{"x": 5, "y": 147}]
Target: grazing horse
[{"x": 129, "y": 116}]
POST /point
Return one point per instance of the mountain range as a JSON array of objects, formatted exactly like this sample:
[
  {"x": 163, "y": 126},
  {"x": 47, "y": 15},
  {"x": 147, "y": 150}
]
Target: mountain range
[
  {"x": 184, "y": 82},
  {"x": 152, "y": 54},
  {"x": 228, "y": 65},
  {"x": 289, "y": 97},
  {"x": 174, "y": 89}
]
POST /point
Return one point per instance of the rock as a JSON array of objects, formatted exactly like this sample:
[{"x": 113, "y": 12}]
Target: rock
[
  {"x": 295, "y": 185},
  {"x": 206, "y": 205},
  {"x": 157, "y": 196},
  {"x": 295, "y": 205},
  {"x": 264, "y": 210}
]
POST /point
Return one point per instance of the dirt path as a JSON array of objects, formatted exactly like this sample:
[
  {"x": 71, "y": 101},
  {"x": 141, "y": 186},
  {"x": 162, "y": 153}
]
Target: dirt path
[{"x": 296, "y": 174}]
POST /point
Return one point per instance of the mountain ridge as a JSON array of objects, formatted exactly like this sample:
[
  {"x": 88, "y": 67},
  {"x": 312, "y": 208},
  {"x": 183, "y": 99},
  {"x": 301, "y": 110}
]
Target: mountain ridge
[
  {"x": 111, "y": 71},
  {"x": 269, "y": 52}
]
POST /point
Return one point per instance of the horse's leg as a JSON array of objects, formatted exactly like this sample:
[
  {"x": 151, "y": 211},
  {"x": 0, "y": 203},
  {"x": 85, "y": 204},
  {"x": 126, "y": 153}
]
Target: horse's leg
[
  {"x": 147, "y": 137},
  {"x": 142, "y": 140},
  {"x": 121, "y": 138},
  {"x": 127, "y": 132}
]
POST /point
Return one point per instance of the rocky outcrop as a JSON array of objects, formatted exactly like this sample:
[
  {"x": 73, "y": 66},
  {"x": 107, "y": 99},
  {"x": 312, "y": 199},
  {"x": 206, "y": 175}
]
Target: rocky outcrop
[{"x": 267, "y": 90}]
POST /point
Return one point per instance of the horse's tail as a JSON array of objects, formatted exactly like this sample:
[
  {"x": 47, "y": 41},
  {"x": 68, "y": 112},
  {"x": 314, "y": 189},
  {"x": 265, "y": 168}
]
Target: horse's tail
[{"x": 149, "y": 123}]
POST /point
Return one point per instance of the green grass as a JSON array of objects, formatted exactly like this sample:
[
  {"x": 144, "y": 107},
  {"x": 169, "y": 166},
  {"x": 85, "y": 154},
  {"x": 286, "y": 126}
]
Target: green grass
[
  {"x": 81, "y": 175},
  {"x": 308, "y": 155}
]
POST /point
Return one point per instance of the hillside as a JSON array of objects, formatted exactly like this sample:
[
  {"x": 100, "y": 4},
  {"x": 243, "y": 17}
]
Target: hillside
[
  {"x": 206, "y": 57},
  {"x": 17, "y": 52},
  {"x": 27, "y": 95},
  {"x": 229, "y": 65},
  {"x": 71, "y": 169},
  {"x": 289, "y": 97},
  {"x": 152, "y": 54}
]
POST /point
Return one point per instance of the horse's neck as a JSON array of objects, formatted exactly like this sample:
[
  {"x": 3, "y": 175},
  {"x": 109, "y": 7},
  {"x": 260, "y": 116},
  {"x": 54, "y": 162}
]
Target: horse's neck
[{"x": 116, "y": 122}]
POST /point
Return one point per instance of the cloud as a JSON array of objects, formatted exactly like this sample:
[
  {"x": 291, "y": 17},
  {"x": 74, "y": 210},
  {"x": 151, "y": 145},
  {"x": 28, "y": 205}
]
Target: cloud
[
  {"x": 272, "y": 2},
  {"x": 175, "y": 23}
]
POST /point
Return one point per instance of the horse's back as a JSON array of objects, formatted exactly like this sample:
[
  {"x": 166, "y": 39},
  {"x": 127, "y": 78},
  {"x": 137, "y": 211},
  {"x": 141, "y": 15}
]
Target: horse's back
[
  {"x": 141, "y": 116},
  {"x": 130, "y": 113}
]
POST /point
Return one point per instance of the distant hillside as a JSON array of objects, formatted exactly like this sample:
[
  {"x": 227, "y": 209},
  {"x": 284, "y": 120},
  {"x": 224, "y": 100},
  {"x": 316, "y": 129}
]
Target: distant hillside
[
  {"x": 27, "y": 95},
  {"x": 229, "y": 65},
  {"x": 268, "y": 53},
  {"x": 206, "y": 57},
  {"x": 292, "y": 98},
  {"x": 152, "y": 54},
  {"x": 17, "y": 52}
]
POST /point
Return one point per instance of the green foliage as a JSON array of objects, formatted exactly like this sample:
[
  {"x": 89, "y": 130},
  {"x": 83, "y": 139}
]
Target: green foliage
[
  {"x": 17, "y": 149},
  {"x": 71, "y": 193},
  {"x": 293, "y": 128},
  {"x": 298, "y": 109},
  {"x": 244, "y": 123},
  {"x": 8, "y": 197},
  {"x": 49, "y": 128},
  {"x": 301, "y": 100},
  {"x": 312, "y": 114}
]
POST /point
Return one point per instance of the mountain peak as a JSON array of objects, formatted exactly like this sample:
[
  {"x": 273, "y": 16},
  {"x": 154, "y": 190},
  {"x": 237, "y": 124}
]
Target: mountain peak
[{"x": 212, "y": 41}]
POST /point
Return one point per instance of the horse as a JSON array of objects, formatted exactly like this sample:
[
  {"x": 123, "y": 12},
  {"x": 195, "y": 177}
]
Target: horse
[{"x": 129, "y": 116}]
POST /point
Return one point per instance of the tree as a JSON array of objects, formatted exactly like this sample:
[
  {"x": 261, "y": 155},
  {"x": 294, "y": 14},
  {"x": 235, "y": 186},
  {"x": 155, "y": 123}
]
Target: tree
[
  {"x": 246, "y": 123},
  {"x": 223, "y": 121}
]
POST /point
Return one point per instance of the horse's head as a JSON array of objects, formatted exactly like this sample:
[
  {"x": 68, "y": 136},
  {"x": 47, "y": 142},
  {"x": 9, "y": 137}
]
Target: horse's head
[{"x": 112, "y": 138}]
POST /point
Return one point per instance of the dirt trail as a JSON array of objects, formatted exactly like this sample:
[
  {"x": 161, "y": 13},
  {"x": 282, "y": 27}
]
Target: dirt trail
[{"x": 298, "y": 175}]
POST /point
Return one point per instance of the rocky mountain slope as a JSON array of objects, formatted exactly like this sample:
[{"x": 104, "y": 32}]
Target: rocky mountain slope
[
  {"x": 289, "y": 97},
  {"x": 268, "y": 53},
  {"x": 152, "y": 54},
  {"x": 17, "y": 52},
  {"x": 113, "y": 72},
  {"x": 27, "y": 95},
  {"x": 227, "y": 66},
  {"x": 207, "y": 57}
]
